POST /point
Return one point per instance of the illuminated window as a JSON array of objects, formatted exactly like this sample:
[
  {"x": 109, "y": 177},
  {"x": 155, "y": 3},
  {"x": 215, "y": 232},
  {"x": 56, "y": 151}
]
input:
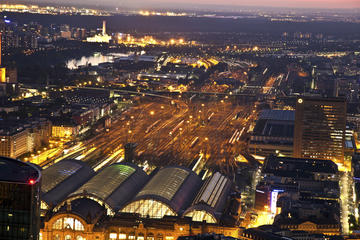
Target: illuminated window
[
  {"x": 140, "y": 236},
  {"x": 132, "y": 236},
  {"x": 200, "y": 216},
  {"x": 58, "y": 225},
  {"x": 40, "y": 236},
  {"x": 79, "y": 238},
  {"x": 57, "y": 237},
  {"x": 150, "y": 236},
  {"x": 79, "y": 226},
  {"x": 112, "y": 236},
  {"x": 169, "y": 238},
  {"x": 68, "y": 223},
  {"x": 149, "y": 207},
  {"x": 67, "y": 237},
  {"x": 44, "y": 206},
  {"x": 122, "y": 236}
]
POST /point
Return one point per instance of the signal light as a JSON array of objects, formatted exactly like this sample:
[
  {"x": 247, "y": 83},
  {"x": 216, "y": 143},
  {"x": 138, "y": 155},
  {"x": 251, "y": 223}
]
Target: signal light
[{"x": 31, "y": 181}]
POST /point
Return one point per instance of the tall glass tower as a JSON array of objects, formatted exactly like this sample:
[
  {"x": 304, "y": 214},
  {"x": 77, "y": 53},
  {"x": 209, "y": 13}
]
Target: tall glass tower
[{"x": 19, "y": 200}]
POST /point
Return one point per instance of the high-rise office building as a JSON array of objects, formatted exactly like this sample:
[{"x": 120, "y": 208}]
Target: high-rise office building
[
  {"x": 2, "y": 69},
  {"x": 320, "y": 125},
  {"x": 19, "y": 200}
]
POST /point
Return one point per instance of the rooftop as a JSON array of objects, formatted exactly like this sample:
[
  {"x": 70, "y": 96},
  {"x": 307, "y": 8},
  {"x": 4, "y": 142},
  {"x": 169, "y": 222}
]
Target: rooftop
[
  {"x": 287, "y": 164},
  {"x": 175, "y": 186},
  {"x": 62, "y": 178},
  {"x": 113, "y": 186},
  {"x": 12, "y": 170},
  {"x": 280, "y": 115},
  {"x": 211, "y": 197}
]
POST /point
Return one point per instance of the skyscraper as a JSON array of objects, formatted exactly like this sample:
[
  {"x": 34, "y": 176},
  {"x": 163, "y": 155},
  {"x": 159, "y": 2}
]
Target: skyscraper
[
  {"x": 104, "y": 28},
  {"x": 320, "y": 128},
  {"x": 2, "y": 69},
  {"x": 19, "y": 200}
]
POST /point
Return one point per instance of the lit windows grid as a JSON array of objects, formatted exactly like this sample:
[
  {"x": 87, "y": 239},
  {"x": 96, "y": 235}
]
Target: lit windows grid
[
  {"x": 68, "y": 223},
  {"x": 323, "y": 130},
  {"x": 139, "y": 236}
]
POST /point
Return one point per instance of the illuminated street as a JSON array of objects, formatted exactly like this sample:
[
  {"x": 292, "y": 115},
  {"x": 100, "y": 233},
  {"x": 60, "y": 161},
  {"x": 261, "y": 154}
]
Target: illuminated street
[{"x": 346, "y": 184}]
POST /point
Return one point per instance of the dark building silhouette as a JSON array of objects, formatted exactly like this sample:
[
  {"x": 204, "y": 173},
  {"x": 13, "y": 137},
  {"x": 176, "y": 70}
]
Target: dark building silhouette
[
  {"x": 130, "y": 152},
  {"x": 19, "y": 200}
]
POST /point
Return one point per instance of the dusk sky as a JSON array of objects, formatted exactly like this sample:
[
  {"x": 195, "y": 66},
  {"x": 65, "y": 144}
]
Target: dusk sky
[
  {"x": 189, "y": 3},
  {"x": 280, "y": 3}
]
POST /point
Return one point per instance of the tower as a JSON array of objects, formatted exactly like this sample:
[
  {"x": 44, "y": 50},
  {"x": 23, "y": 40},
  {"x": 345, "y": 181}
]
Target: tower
[
  {"x": 320, "y": 125},
  {"x": 20, "y": 200},
  {"x": 0, "y": 48},
  {"x": 2, "y": 69},
  {"x": 130, "y": 152},
  {"x": 104, "y": 28}
]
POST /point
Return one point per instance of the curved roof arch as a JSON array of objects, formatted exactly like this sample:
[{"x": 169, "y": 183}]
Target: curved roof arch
[
  {"x": 112, "y": 187},
  {"x": 62, "y": 178},
  {"x": 13, "y": 170},
  {"x": 200, "y": 213},
  {"x": 173, "y": 187},
  {"x": 211, "y": 199},
  {"x": 53, "y": 223},
  {"x": 149, "y": 208}
]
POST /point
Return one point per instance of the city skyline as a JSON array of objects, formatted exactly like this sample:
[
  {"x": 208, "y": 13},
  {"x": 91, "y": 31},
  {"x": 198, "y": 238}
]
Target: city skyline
[
  {"x": 174, "y": 120},
  {"x": 212, "y": 4}
]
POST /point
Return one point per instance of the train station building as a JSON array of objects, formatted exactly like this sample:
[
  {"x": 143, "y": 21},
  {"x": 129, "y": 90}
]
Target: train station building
[{"x": 121, "y": 201}]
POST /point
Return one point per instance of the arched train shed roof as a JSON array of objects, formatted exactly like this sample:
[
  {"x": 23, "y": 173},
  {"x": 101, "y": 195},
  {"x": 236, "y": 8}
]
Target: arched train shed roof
[
  {"x": 211, "y": 199},
  {"x": 174, "y": 186},
  {"x": 62, "y": 178},
  {"x": 113, "y": 186}
]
